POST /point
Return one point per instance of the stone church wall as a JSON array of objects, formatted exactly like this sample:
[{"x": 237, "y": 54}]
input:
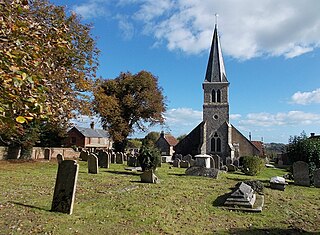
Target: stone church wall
[{"x": 245, "y": 147}]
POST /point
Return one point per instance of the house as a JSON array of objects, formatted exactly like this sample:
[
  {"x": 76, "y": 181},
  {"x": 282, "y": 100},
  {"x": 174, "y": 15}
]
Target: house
[
  {"x": 165, "y": 144},
  {"x": 215, "y": 135},
  {"x": 88, "y": 137}
]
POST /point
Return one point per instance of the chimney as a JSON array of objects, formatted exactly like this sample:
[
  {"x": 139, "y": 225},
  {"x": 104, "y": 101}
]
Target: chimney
[
  {"x": 312, "y": 134},
  {"x": 162, "y": 134},
  {"x": 92, "y": 125},
  {"x": 250, "y": 136}
]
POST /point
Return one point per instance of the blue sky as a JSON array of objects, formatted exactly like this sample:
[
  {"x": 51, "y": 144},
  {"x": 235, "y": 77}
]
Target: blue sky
[{"x": 271, "y": 52}]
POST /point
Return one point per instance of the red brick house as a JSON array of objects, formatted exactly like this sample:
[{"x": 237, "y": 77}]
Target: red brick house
[
  {"x": 165, "y": 144},
  {"x": 88, "y": 138}
]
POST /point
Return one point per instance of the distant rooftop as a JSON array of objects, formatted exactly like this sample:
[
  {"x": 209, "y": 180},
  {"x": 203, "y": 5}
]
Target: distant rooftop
[{"x": 89, "y": 132}]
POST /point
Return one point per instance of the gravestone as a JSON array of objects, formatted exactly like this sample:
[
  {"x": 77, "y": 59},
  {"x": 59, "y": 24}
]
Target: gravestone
[
  {"x": 202, "y": 171},
  {"x": 132, "y": 161},
  {"x": 212, "y": 163},
  {"x": 93, "y": 164},
  {"x": 178, "y": 156},
  {"x": 202, "y": 160},
  {"x": 47, "y": 155},
  {"x": 316, "y": 178},
  {"x": 301, "y": 173},
  {"x": 243, "y": 196},
  {"x": 228, "y": 161},
  {"x": 188, "y": 158},
  {"x": 176, "y": 162},
  {"x": 217, "y": 161},
  {"x": 60, "y": 158},
  {"x": 65, "y": 187},
  {"x": 125, "y": 157},
  {"x": 232, "y": 168},
  {"x": 119, "y": 158},
  {"x": 184, "y": 164},
  {"x": 113, "y": 158},
  {"x": 103, "y": 159},
  {"x": 84, "y": 155},
  {"x": 149, "y": 177},
  {"x": 278, "y": 182},
  {"x": 236, "y": 163}
]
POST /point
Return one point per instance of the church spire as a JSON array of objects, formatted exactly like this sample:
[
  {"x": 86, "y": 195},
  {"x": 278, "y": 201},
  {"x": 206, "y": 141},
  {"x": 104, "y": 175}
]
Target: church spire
[{"x": 215, "y": 69}]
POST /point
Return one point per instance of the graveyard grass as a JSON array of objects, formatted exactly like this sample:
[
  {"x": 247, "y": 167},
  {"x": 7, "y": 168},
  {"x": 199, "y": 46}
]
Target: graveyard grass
[{"x": 115, "y": 202}]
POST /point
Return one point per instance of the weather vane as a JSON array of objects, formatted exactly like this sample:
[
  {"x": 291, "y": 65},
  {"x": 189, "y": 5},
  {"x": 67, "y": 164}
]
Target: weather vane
[{"x": 216, "y": 17}]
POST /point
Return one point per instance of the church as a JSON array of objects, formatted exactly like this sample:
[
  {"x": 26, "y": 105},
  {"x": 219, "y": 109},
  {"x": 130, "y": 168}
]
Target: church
[{"x": 215, "y": 134}]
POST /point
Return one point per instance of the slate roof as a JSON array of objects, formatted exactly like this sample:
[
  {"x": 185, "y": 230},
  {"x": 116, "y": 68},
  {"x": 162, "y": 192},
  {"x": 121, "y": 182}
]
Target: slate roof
[
  {"x": 215, "y": 69},
  {"x": 93, "y": 133}
]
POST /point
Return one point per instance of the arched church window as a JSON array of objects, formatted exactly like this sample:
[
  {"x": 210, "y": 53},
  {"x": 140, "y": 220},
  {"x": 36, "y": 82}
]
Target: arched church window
[
  {"x": 213, "y": 96},
  {"x": 218, "y": 96},
  {"x": 213, "y": 144},
  {"x": 218, "y": 145}
]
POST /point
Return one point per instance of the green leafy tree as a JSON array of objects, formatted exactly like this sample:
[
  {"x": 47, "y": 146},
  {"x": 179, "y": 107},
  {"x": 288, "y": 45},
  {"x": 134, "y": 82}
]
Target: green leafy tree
[
  {"x": 151, "y": 138},
  {"x": 47, "y": 61},
  {"x": 134, "y": 143},
  {"x": 127, "y": 102}
]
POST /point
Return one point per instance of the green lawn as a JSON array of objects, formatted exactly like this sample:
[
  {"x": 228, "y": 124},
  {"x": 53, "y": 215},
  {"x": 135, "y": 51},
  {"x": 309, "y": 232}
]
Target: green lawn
[{"x": 115, "y": 202}]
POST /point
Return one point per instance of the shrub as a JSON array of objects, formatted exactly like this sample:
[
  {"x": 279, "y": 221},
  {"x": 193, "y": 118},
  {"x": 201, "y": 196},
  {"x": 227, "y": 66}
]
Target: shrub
[
  {"x": 252, "y": 165},
  {"x": 149, "y": 158}
]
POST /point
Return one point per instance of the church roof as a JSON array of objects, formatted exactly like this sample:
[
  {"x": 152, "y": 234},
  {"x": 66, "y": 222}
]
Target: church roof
[
  {"x": 215, "y": 69},
  {"x": 93, "y": 133}
]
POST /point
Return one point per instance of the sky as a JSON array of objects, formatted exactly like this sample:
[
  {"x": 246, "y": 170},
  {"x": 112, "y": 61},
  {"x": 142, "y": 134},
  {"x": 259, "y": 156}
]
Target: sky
[{"x": 271, "y": 52}]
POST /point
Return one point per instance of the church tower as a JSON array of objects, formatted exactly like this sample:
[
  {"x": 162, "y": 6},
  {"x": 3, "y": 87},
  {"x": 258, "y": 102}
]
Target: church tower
[{"x": 216, "y": 104}]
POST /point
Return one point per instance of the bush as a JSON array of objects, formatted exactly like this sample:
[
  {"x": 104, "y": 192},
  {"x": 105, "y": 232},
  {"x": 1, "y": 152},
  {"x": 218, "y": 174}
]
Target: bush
[
  {"x": 252, "y": 165},
  {"x": 149, "y": 158}
]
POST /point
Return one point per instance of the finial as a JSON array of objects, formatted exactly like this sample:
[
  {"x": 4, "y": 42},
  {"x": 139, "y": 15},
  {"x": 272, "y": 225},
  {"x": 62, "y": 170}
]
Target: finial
[{"x": 216, "y": 18}]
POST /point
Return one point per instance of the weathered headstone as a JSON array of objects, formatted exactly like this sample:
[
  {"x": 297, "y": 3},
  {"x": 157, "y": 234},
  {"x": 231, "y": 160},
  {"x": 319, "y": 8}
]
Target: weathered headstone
[
  {"x": 103, "y": 159},
  {"x": 93, "y": 164},
  {"x": 212, "y": 163},
  {"x": 243, "y": 196},
  {"x": 119, "y": 158},
  {"x": 84, "y": 155},
  {"x": 176, "y": 162},
  {"x": 202, "y": 160},
  {"x": 301, "y": 173},
  {"x": 316, "y": 178},
  {"x": 228, "y": 161},
  {"x": 149, "y": 177},
  {"x": 113, "y": 158},
  {"x": 132, "y": 161},
  {"x": 278, "y": 182},
  {"x": 60, "y": 158},
  {"x": 217, "y": 161},
  {"x": 65, "y": 187},
  {"x": 188, "y": 158},
  {"x": 202, "y": 171},
  {"x": 184, "y": 164},
  {"x": 47, "y": 154}
]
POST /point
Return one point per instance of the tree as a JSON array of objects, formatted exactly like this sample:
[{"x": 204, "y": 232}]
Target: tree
[
  {"x": 127, "y": 102},
  {"x": 47, "y": 62},
  {"x": 151, "y": 138}
]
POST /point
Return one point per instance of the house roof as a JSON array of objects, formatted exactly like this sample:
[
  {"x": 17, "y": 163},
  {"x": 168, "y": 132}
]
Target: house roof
[
  {"x": 258, "y": 145},
  {"x": 89, "y": 132},
  {"x": 171, "y": 140},
  {"x": 215, "y": 68}
]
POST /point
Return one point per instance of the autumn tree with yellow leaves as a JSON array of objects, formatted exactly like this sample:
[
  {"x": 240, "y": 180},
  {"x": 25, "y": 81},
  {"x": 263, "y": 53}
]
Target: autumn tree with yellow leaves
[{"x": 48, "y": 61}]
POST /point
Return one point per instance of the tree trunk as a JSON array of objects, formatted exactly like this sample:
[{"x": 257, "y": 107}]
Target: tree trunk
[{"x": 26, "y": 152}]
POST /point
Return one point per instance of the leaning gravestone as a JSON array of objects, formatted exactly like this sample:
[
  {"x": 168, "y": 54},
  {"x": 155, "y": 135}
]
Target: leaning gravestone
[
  {"x": 65, "y": 188},
  {"x": 316, "y": 178},
  {"x": 103, "y": 159},
  {"x": 60, "y": 158},
  {"x": 301, "y": 173},
  {"x": 202, "y": 171},
  {"x": 93, "y": 164}
]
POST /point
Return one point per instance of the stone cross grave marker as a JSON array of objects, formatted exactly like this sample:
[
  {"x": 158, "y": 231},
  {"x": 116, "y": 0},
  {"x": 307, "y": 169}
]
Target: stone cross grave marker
[
  {"x": 301, "y": 173},
  {"x": 60, "y": 158},
  {"x": 65, "y": 188},
  {"x": 93, "y": 164}
]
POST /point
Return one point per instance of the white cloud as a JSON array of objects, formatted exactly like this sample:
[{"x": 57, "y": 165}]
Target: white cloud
[
  {"x": 126, "y": 28},
  {"x": 235, "y": 116},
  {"x": 91, "y": 9},
  {"x": 312, "y": 97},
  {"x": 183, "y": 117},
  {"x": 249, "y": 28},
  {"x": 291, "y": 118}
]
